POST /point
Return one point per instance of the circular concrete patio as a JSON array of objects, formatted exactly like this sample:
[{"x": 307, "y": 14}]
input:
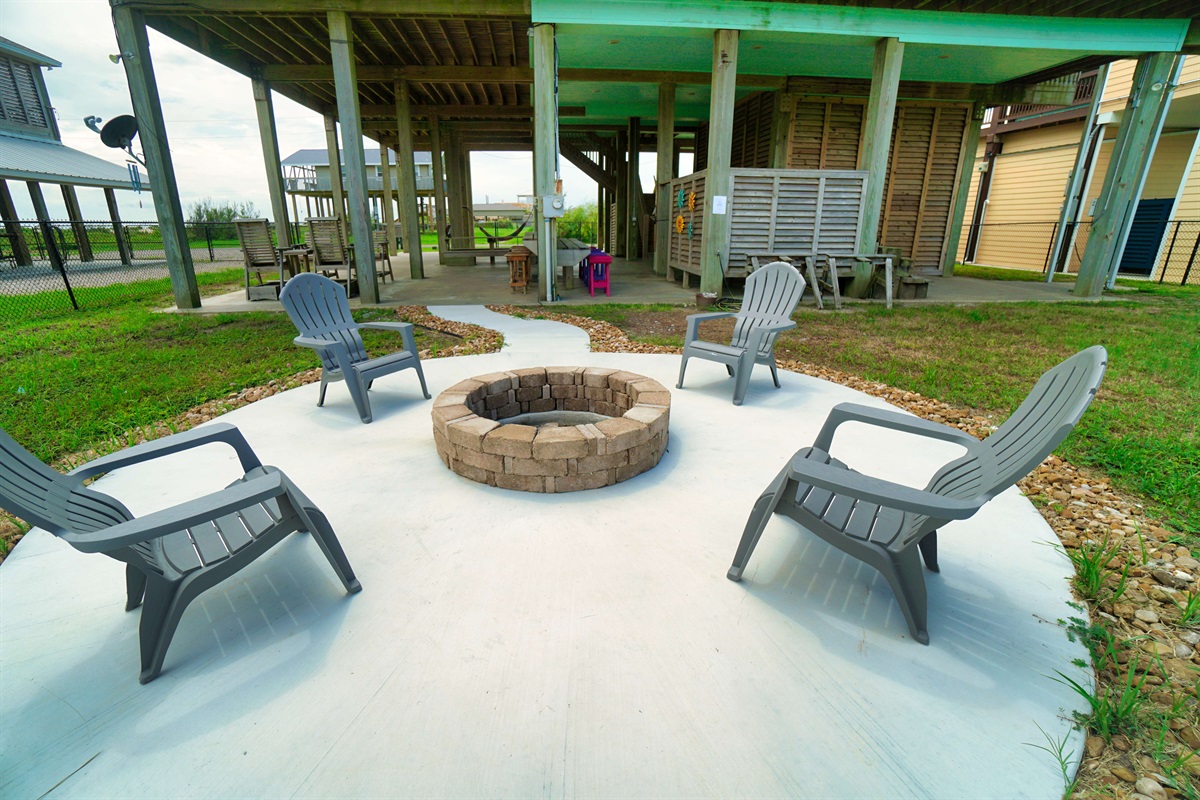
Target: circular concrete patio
[{"x": 512, "y": 644}]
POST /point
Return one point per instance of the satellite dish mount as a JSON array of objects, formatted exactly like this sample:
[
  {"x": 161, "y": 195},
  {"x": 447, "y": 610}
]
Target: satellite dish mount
[{"x": 118, "y": 133}]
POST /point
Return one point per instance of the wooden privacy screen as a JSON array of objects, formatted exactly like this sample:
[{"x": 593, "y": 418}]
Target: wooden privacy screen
[
  {"x": 825, "y": 133},
  {"x": 780, "y": 211}
]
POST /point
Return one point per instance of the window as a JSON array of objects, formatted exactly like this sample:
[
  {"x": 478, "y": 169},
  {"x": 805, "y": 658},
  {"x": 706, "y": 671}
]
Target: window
[{"x": 20, "y": 101}]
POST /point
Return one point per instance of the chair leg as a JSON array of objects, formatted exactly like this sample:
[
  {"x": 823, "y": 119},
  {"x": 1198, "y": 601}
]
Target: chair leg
[
  {"x": 135, "y": 587},
  {"x": 729, "y": 369},
  {"x": 760, "y": 514},
  {"x": 835, "y": 287},
  {"x": 682, "y": 369},
  {"x": 326, "y": 539},
  {"x": 324, "y": 386},
  {"x": 741, "y": 377},
  {"x": 775, "y": 373},
  {"x": 358, "y": 393},
  {"x": 928, "y": 547},
  {"x": 421, "y": 377},
  {"x": 164, "y": 605},
  {"x": 887, "y": 289},
  {"x": 903, "y": 573}
]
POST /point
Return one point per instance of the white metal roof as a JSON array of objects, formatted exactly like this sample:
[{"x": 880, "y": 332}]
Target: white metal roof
[{"x": 53, "y": 162}]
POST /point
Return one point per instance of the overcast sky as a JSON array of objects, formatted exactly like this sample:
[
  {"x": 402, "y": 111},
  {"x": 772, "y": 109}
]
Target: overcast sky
[{"x": 210, "y": 117}]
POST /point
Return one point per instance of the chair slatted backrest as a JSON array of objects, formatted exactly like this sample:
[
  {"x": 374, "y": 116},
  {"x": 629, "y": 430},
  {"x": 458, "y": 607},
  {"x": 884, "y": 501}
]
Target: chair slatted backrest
[
  {"x": 39, "y": 495},
  {"x": 318, "y": 308},
  {"x": 1046, "y": 416},
  {"x": 255, "y": 238},
  {"x": 328, "y": 240},
  {"x": 772, "y": 293}
]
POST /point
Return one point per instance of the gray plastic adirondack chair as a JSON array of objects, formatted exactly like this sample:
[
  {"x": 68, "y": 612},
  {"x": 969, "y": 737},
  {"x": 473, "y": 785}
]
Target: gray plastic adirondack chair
[
  {"x": 885, "y": 524},
  {"x": 173, "y": 555},
  {"x": 320, "y": 311},
  {"x": 772, "y": 293}
]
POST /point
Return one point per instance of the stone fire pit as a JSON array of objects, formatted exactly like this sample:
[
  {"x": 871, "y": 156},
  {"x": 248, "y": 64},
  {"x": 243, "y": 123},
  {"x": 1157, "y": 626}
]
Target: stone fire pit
[{"x": 551, "y": 450}]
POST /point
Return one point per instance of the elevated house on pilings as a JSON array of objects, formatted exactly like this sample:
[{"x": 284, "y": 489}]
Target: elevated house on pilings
[{"x": 857, "y": 121}]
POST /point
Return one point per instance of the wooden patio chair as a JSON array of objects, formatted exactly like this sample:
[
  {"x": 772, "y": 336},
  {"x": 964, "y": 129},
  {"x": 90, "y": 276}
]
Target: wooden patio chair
[
  {"x": 886, "y": 524},
  {"x": 876, "y": 260},
  {"x": 331, "y": 252},
  {"x": 321, "y": 312},
  {"x": 383, "y": 261},
  {"x": 770, "y": 299},
  {"x": 171, "y": 556},
  {"x": 260, "y": 255}
]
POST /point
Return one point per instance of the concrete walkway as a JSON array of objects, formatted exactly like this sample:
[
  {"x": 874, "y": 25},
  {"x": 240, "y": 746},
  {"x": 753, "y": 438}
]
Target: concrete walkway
[
  {"x": 632, "y": 282},
  {"x": 517, "y": 645}
]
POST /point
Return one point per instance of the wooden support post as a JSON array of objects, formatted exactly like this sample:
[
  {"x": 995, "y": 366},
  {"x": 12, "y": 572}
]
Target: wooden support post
[
  {"x": 719, "y": 185},
  {"x": 82, "y": 242},
  {"x": 781, "y": 128},
  {"x": 453, "y": 184},
  {"x": 468, "y": 195},
  {"x": 345, "y": 80},
  {"x": 270, "y": 148},
  {"x": 633, "y": 237},
  {"x": 337, "y": 205},
  {"x": 873, "y": 156},
  {"x": 663, "y": 174},
  {"x": 439, "y": 181},
  {"x": 52, "y": 252},
  {"x": 114, "y": 213},
  {"x": 385, "y": 203},
  {"x": 622, "y": 195},
  {"x": 152, "y": 134},
  {"x": 406, "y": 170},
  {"x": 545, "y": 153},
  {"x": 958, "y": 204},
  {"x": 12, "y": 226},
  {"x": 1141, "y": 122}
]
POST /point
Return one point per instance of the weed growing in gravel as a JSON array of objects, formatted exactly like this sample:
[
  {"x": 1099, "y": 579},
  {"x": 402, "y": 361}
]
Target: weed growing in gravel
[
  {"x": 1092, "y": 562},
  {"x": 1060, "y": 751},
  {"x": 1189, "y": 611},
  {"x": 1114, "y": 710}
]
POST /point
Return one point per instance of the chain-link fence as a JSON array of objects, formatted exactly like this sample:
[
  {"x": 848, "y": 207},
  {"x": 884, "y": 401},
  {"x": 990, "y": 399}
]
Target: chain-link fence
[
  {"x": 1164, "y": 252},
  {"x": 60, "y": 266}
]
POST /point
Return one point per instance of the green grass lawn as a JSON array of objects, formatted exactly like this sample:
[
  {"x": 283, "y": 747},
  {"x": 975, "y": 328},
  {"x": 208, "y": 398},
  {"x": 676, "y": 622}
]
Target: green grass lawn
[
  {"x": 71, "y": 380},
  {"x": 1143, "y": 431}
]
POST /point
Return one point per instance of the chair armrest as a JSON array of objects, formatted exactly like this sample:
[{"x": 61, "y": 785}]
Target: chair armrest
[
  {"x": 763, "y": 331},
  {"x": 219, "y": 432},
  {"x": 879, "y": 491},
  {"x": 694, "y": 320},
  {"x": 336, "y": 350},
  {"x": 893, "y": 420},
  {"x": 405, "y": 329},
  {"x": 185, "y": 515}
]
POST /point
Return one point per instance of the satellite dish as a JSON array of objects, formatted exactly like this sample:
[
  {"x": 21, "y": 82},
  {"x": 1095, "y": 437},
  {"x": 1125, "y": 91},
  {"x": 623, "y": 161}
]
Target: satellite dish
[{"x": 119, "y": 131}]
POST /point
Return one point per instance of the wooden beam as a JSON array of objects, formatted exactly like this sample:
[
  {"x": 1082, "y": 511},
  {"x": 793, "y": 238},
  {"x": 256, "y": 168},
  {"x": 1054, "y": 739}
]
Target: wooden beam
[
  {"x": 439, "y": 181},
  {"x": 781, "y": 128},
  {"x": 1141, "y": 123},
  {"x": 718, "y": 185},
  {"x": 335, "y": 169},
  {"x": 664, "y": 172},
  {"x": 477, "y": 9},
  {"x": 962, "y": 187},
  {"x": 52, "y": 251},
  {"x": 588, "y": 167},
  {"x": 545, "y": 153},
  {"x": 633, "y": 241},
  {"x": 82, "y": 242},
  {"x": 114, "y": 214},
  {"x": 621, "y": 195},
  {"x": 380, "y": 111},
  {"x": 407, "y": 171},
  {"x": 389, "y": 220},
  {"x": 265, "y": 110},
  {"x": 152, "y": 134},
  {"x": 873, "y": 156},
  {"x": 307, "y": 73},
  {"x": 341, "y": 46},
  {"x": 12, "y": 226}
]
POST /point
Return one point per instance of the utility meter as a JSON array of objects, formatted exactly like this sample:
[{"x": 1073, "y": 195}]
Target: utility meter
[{"x": 553, "y": 206}]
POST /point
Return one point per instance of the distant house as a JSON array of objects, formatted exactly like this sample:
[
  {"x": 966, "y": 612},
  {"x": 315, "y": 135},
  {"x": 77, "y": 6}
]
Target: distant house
[
  {"x": 1023, "y": 164},
  {"x": 31, "y": 151},
  {"x": 306, "y": 179}
]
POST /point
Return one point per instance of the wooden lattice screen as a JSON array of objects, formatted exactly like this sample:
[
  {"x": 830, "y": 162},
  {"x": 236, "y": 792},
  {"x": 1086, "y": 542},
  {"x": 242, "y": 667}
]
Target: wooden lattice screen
[{"x": 787, "y": 212}]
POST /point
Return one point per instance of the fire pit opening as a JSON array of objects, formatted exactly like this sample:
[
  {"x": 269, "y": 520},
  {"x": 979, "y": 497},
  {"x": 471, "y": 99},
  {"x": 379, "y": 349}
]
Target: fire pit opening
[{"x": 552, "y": 429}]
